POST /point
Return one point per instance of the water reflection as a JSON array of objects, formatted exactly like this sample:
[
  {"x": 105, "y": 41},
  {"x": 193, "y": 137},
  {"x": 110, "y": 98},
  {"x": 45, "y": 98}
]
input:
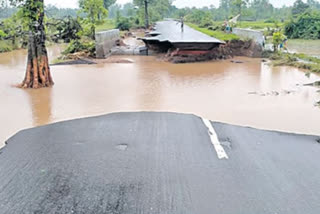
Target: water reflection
[{"x": 40, "y": 102}]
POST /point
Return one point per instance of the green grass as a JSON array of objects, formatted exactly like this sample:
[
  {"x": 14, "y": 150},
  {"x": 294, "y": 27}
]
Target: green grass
[
  {"x": 258, "y": 25},
  {"x": 5, "y": 46},
  {"x": 107, "y": 25},
  {"x": 253, "y": 24},
  {"x": 310, "y": 47},
  {"x": 217, "y": 34}
]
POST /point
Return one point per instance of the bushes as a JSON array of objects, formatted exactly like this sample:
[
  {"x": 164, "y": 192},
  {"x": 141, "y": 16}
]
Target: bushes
[
  {"x": 5, "y": 46},
  {"x": 307, "y": 26},
  {"x": 203, "y": 19},
  {"x": 123, "y": 23},
  {"x": 2, "y": 34},
  {"x": 80, "y": 46},
  {"x": 277, "y": 39}
]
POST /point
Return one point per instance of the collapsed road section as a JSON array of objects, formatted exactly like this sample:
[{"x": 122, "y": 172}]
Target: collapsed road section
[
  {"x": 169, "y": 34},
  {"x": 158, "y": 163},
  {"x": 189, "y": 45}
]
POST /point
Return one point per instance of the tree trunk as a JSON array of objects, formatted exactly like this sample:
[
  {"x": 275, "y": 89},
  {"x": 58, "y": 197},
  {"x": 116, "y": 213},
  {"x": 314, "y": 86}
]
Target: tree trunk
[
  {"x": 38, "y": 72},
  {"x": 93, "y": 32},
  {"x": 146, "y": 14}
]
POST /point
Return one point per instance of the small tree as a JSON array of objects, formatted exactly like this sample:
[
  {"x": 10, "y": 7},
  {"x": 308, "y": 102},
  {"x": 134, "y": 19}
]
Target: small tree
[
  {"x": 277, "y": 39},
  {"x": 94, "y": 10}
]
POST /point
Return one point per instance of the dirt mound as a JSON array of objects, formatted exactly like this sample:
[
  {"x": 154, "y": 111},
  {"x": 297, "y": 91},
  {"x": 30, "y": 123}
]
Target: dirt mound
[
  {"x": 76, "y": 62},
  {"x": 121, "y": 60},
  {"x": 244, "y": 48}
]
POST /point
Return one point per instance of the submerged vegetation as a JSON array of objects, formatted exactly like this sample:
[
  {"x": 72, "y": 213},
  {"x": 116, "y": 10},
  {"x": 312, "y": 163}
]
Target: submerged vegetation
[{"x": 302, "y": 61}]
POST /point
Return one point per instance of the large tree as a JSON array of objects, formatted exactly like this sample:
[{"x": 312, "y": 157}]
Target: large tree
[
  {"x": 299, "y": 7},
  {"x": 38, "y": 71},
  {"x": 224, "y": 8},
  {"x": 144, "y": 4},
  {"x": 153, "y": 10},
  {"x": 239, "y": 5}
]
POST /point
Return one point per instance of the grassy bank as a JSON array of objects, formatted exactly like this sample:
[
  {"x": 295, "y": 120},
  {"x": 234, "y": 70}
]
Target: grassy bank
[
  {"x": 5, "y": 46},
  {"x": 303, "y": 61},
  {"x": 217, "y": 34}
]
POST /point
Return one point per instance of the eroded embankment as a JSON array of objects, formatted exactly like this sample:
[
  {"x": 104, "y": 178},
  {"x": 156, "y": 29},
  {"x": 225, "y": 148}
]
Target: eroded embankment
[{"x": 225, "y": 51}]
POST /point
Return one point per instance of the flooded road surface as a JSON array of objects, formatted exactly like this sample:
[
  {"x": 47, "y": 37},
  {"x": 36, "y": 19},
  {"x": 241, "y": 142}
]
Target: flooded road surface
[{"x": 243, "y": 94}]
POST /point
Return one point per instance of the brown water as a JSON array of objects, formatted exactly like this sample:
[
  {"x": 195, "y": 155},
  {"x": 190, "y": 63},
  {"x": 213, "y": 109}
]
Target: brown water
[{"x": 215, "y": 90}]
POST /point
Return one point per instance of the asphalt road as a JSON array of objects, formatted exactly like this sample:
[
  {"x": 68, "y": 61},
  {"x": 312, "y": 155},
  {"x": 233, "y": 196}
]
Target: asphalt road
[
  {"x": 158, "y": 163},
  {"x": 171, "y": 31}
]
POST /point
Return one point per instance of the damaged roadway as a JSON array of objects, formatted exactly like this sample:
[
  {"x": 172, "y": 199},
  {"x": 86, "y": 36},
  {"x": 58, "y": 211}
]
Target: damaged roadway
[{"x": 158, "y": 163}]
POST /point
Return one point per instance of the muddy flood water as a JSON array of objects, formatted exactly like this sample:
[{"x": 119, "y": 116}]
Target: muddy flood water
[{"x": 250, "y": 94}]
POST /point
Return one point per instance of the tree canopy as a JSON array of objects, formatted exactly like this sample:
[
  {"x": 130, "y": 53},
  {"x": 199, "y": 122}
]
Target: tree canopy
[
  {"x": 108, "y": 3},
  {"x": 306, "y": 26},
  {"x": 94, "y": 11},
  {"x": 299, "y": 7}
]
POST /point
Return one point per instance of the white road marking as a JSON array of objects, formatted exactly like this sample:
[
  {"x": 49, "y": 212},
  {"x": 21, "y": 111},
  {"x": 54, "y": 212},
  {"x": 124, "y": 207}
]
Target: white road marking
[{"x": 214, "y": 140}]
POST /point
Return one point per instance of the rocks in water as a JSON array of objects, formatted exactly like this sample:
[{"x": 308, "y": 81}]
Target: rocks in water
[
  {"x": 272, "y": 93},
  {"x": 236, "y": 61},
  {"x": 253, "y": 92},
  {"x": 316, "y": 84},
  {"x": 76, "y": 62},
  {"x": 121, "y": 60},
  {"x": 120, "y": 42}
]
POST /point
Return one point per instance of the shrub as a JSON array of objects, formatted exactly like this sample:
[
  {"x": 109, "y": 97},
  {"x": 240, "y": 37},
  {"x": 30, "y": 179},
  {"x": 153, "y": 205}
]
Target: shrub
[
  {"x": 306, "y": 26},
  {"x": 123, "y": 23},
  {"x": 2, "y": 34},
  {"x": 277, "y": 39},
  {"x": 5, "y": 46},
  {"x": 79, "y": 45}
]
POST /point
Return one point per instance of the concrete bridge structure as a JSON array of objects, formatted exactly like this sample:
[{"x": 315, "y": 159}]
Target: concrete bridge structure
[{"x": 168, "y": 34}]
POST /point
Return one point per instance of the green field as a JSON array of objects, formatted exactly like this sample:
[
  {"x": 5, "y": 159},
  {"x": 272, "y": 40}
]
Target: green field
[
  {"x": 310, "y": 47},
  {"x": 217, "y": 34},
  {"x": 107, "y": 25}
]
